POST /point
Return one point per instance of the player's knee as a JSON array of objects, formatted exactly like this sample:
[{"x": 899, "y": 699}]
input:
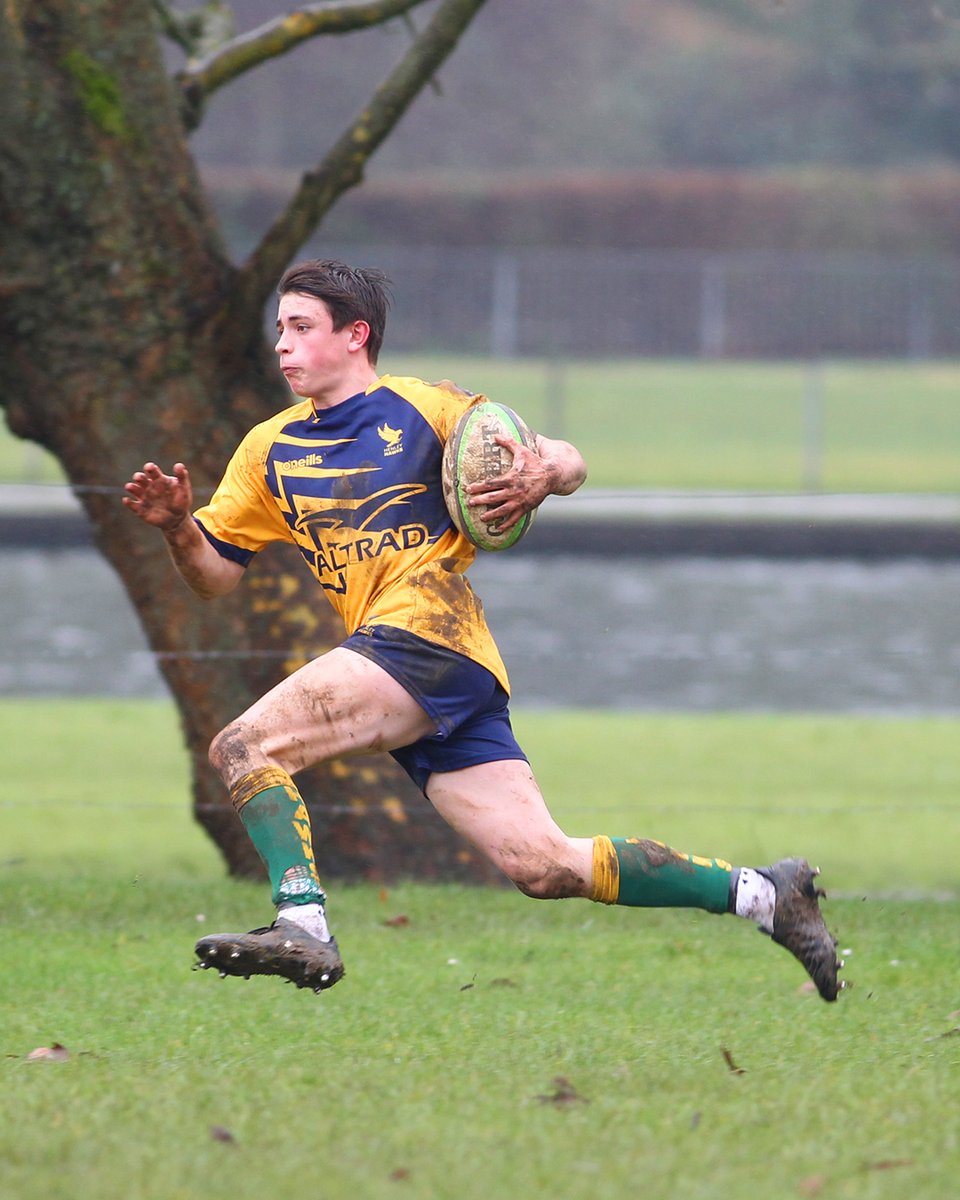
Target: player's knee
[
  {"x": 229, "y": 751},
  {"x": 545, "y": 880}
]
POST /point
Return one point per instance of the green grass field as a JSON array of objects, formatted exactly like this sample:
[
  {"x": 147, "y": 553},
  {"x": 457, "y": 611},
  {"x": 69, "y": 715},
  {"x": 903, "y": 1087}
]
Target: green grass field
[
  {"x": 875, "y": 426},
  {"x": 491, "y": 1046},
  {"x": 879, "y": 427}
]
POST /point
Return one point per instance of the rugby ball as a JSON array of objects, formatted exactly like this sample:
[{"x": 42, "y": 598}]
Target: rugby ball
[{"x": 471, "y": 455}]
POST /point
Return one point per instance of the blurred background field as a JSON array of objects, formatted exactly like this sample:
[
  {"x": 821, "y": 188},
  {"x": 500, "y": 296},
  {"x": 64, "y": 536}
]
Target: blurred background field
[{"x": 840, "y": 427}]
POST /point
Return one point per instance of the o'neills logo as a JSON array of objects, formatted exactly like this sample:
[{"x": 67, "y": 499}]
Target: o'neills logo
[{"x": 308, "y": 460}]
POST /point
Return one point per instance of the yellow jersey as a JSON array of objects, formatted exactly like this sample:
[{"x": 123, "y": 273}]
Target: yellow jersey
[{"x": 356, "y": 488}]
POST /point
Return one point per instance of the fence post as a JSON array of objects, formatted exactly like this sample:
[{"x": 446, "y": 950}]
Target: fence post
[
  {"x": 712, "y": 333},
  {"x": 555, "y": 401},
  {"x": 813, "y": 392},
  {"x": 504, "y": 306},
  {"x": 919, "y": 316}
]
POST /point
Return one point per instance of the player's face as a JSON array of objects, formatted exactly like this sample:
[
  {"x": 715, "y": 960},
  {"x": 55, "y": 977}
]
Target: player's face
[{"x": 315, "y": 359}]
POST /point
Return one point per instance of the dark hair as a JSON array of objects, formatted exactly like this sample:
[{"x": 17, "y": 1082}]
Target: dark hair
[{"x": 350, "y": 294}]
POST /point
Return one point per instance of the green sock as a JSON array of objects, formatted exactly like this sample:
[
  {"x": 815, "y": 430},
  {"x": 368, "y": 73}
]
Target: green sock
[
  {"x": 645, "y": 874},
  {"x": 276, "y": 819}
]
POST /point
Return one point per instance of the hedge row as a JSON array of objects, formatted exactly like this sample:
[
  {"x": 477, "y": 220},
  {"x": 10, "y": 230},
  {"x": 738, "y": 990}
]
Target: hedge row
[{"x": 883, "y": 213}]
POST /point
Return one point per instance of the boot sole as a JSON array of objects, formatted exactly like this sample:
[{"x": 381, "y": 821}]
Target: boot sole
[{"x": 305, "y": 962}]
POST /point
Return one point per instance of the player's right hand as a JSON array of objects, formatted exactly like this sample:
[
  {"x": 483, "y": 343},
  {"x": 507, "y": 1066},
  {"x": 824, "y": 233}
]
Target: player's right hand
[{"x": 164, "y": 501}]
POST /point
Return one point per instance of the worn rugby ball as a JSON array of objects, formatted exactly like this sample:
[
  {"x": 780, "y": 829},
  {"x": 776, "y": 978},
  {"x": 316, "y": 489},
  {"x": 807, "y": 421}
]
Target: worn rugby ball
[{"x": 471, "y": 455}]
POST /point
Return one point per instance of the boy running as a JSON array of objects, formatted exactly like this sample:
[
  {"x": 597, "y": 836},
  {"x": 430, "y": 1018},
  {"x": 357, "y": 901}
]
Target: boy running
[{"x": 350, "y": 475}]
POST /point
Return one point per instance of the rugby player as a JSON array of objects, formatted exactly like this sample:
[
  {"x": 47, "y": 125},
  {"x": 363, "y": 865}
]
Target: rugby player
[{"x": 350, "y": 475}]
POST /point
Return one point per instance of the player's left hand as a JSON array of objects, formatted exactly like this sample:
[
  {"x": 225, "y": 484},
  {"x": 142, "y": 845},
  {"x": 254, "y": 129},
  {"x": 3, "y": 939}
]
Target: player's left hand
[{"x": 522, "y": 489}]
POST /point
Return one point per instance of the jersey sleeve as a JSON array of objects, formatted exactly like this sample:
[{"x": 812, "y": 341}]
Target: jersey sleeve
[
  {"x": 242, "y": 517},
  {"x": 454, "y": 402}
]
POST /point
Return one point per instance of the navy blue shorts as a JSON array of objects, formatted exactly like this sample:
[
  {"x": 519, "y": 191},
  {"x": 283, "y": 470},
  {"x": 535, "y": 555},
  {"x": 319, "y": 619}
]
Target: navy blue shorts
[{"x": 465, "y": 699}]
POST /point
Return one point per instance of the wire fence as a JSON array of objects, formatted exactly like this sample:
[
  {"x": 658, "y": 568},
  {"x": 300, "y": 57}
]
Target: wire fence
[{"x": 674, "y": 304}]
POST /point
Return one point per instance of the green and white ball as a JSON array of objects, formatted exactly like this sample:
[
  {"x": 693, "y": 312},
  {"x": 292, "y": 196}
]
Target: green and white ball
[{"x": 471, "y": 455}]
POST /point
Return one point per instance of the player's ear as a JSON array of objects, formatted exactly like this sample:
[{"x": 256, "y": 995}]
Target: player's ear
[{"x": 359, "y": 335}]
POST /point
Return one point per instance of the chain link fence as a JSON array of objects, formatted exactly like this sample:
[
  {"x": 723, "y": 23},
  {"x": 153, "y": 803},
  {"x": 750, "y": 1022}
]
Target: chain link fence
[{"x": 597, "y": 303}]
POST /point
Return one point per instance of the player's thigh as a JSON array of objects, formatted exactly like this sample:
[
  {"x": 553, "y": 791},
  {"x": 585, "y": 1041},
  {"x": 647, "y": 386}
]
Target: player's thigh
[
  {"x": 498, "y": 807},
  {"x": 335, "y": 705}
]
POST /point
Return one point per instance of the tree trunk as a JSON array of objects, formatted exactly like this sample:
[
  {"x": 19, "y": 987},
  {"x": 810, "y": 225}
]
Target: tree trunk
[{"x": 114, "y": 282}]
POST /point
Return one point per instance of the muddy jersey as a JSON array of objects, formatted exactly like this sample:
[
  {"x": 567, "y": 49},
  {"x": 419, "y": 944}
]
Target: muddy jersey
[{"x": 356, "y": 488}]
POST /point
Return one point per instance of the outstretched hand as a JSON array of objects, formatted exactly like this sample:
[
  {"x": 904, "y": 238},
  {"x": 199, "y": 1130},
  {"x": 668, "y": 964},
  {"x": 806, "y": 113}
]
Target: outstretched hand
[{"x": 164, "y": 501}]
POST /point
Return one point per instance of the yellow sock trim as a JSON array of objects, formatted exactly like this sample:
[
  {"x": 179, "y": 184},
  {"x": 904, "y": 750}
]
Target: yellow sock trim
[
  {"x": 606, "y": 871},
  {"x": 247, "y": 786}
]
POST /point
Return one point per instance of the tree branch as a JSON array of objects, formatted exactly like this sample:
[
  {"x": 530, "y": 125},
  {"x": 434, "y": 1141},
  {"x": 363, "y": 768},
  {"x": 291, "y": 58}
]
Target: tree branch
[
  {"x": 277, "y": 37},
  {"x": 343, "y": 166},
  {"x": 171, "y": 25},
  {"x": 199, "y": 33}
]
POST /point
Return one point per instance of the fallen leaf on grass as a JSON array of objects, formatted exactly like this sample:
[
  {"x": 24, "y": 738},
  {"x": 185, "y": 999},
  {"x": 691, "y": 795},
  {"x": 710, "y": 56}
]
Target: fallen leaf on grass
[
  {"x": 54, "y": 1053},
  {"x": 954, "y": 1032},
  {"x": 398, "y": 921},
  {"x": 811, "y": 1186},
  {"x": 888, "y": 1164},
  {"x": 565, "y": 1093},
  {"x": 728, "y": 1059},
  {"x": 502, "y": 982},
  {"x": 220, "y": 1133},
  {"x": 399, "y": 1174}
]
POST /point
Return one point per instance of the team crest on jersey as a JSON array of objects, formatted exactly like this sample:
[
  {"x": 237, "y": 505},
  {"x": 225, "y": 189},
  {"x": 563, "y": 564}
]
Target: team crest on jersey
[{"x": 393, "y": 439}]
